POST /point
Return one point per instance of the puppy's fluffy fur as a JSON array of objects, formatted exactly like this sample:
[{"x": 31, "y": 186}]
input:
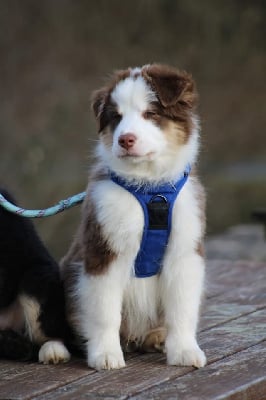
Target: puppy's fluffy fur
[
  {"x": 148, "y": 134},
  {"x": 32, "y": 307}
]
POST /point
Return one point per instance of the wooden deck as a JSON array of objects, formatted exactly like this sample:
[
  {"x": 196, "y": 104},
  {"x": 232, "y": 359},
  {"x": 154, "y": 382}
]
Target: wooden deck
[{"x": 232, "y": 333}]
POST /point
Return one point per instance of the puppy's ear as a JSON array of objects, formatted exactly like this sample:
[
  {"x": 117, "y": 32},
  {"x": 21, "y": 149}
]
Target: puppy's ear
[
  {"x": 98, "y": 100},
  {"x": 171, "y": 86}
]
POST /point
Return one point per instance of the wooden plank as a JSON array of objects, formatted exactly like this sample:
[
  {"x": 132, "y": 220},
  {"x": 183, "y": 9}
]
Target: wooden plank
[
  {"x": 33, "y": 379},
  {"x": 224, "y": 276},
  {"x": 149, "y": 370},
  {"x": 235, "y": 289},
  {"x": 234, "y": 336},
  {"x": 20, "y": 380},
  {"x": 230, "y": 305},
  {"x": 140, "y": 374},
  {"x": 234, "y": 378}
]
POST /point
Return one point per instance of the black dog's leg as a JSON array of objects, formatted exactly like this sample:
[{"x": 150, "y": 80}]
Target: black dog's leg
[
  {"x": 29, "y": 275},
  {"x": 15, "y": 346}
]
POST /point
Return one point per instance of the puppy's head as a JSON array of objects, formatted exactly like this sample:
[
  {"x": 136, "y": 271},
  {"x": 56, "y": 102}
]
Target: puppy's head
[{"x": 146, "y": 119}]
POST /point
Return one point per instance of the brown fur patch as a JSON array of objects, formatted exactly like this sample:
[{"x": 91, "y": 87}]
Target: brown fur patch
[
  {"x": 175, "y": 133},
  {"x": 89, "y": 245},
  {"x": 176, "y": 93},
  {"x": 173, "y": 87},
  {"x": 201, "y": 198},
  {"x": 200, "y": 250},
  {"x": 97, "y": 254},
  {"x": 31, "y": 311},
  {"x": 104, "y": 110},
  {"x": 154, "y": 340}
]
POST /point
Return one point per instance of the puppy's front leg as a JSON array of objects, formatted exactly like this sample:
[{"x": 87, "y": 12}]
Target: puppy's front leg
[
  {"x": 181, "y": 292},
  {"x": 101, "y": 303}
]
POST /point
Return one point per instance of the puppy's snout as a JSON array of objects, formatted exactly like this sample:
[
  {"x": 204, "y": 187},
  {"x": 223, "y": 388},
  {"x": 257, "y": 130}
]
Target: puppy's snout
[{"x": 127, "y": 140}]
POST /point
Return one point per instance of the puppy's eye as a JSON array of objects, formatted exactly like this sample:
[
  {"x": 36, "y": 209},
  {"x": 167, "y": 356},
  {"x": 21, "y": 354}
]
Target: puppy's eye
[
  {"x": 114, "y": 119},
  {"x": 116, "y": 116},
  {"x": 149, "y": 114}
]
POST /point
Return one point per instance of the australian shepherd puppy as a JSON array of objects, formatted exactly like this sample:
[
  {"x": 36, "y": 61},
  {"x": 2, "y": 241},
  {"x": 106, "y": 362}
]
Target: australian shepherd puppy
[
  {"x": 32, "y": 306},
  {"x": 148, "y": 144}
]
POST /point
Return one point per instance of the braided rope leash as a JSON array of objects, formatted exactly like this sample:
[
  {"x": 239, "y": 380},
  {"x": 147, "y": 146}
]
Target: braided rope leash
[{"x": 62, "y": 205}]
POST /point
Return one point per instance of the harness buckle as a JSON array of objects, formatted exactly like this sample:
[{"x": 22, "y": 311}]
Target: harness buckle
[{"x": 158, "y": 211}]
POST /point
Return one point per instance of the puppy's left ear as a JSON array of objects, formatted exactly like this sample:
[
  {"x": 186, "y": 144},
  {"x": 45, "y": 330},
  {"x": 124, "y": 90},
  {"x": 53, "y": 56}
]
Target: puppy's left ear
[{"x": 171, "y": 86}]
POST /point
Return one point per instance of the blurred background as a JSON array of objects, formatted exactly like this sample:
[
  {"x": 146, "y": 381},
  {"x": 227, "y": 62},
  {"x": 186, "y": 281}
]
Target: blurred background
[{"x": 53, "y": 53}]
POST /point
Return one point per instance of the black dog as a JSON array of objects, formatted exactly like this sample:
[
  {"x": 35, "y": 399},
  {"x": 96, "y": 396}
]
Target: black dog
[{"x": 32, "y": 308}]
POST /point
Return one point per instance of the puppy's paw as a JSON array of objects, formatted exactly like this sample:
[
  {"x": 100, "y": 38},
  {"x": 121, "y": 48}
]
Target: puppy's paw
[
  {"x": 186, "y": 356},
  {"x": 154, "y": 340},
  {"x": 53, "y": 352},
  {"x": 107, "y": 360}
]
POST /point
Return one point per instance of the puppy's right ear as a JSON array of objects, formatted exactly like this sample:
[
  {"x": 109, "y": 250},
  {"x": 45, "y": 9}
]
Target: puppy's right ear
[{"x": 98, "y": 102}]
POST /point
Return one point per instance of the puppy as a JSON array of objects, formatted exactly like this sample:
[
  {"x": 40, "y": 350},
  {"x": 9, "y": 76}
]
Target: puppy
[
  {"x": 32, "y": 307},
  {"x": 135, "y": 270}
]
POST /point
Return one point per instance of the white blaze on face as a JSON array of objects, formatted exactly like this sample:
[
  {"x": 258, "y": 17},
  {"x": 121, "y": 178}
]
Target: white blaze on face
[{"x": 132, "y": 97}]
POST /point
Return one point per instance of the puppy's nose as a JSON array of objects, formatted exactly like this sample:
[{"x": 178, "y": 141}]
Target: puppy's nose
[{"x": 127, "y": 140}]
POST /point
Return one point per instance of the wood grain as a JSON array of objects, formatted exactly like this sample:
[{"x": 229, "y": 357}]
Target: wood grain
[
  {"x": 232, "y": 332},
  {"x": 234, "y": 378}
]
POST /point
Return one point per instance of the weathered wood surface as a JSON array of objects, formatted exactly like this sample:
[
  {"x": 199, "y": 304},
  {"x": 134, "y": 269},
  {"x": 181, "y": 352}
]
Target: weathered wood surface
[{"x": 232, "y": 333}]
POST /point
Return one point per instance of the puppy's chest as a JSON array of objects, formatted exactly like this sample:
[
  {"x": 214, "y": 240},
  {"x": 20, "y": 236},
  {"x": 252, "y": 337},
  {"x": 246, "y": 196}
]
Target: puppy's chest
[
  {"x": 120, "y": 216},
  {"x": 123, "y": 219}
]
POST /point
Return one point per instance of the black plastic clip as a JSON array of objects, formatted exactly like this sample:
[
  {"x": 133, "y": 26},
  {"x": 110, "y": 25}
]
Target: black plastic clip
[{"x": 158, "y": 210}]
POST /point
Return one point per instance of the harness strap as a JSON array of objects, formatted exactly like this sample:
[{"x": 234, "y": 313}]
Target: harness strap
[{"x": 157, "y": 203}]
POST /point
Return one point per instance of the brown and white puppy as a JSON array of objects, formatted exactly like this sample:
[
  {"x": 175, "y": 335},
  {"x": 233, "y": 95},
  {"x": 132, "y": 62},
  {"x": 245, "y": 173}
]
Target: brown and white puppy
[{"x": 148, "y": 135}]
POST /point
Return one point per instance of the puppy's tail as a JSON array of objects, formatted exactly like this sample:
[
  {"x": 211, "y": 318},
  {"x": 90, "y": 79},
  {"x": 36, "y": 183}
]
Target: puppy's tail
[{"x": 15, "y": 346}]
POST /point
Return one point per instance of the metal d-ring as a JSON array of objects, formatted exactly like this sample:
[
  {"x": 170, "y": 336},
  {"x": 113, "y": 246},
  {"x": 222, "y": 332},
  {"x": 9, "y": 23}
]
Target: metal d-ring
[{"x": 160, "y": 196}]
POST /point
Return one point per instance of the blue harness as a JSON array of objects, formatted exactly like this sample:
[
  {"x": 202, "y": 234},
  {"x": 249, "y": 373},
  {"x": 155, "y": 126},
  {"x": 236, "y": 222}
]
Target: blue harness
[{"x": 157, "y": 204}]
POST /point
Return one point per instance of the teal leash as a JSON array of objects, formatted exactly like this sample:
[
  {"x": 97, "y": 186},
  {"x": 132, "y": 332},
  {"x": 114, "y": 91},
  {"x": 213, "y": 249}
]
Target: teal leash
[{"x": 62, "y": 205}]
